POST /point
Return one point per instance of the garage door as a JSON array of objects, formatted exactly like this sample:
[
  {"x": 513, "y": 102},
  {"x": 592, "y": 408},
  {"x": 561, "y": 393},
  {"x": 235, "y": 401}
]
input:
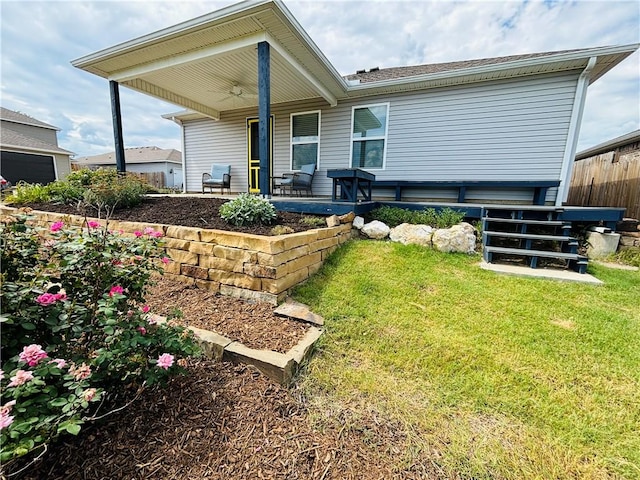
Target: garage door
[{"x": 28, "y": 167}]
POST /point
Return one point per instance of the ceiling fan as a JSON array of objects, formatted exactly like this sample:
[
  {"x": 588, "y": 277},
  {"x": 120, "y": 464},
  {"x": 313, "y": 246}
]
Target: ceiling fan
[{"x": 235, "y": 92}]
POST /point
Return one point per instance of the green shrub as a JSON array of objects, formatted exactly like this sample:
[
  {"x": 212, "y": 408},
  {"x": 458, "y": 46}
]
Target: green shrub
[
  {"x": 248, "y": 209},
  {"x": 104, "y": 189},
  {"x": 28, "y": 193},
  {"x": 314, "y": 221},
  {"x": 74, "y": 328},
  {"x": 394, "y": 216}
]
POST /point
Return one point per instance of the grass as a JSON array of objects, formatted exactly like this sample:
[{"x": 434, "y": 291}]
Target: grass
[{"x": 492, "y": 376}]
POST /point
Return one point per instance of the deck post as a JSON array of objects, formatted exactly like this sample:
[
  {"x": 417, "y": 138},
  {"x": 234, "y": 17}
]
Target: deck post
[
  {"x": 116, "y": 117},
  {"x": 264, "y": 113}
]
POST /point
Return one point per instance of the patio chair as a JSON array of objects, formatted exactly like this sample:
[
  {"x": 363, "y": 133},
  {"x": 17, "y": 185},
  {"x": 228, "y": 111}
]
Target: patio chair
[
  {"x": 298, "y": 181},
  {"x": 220, "y": 176}
]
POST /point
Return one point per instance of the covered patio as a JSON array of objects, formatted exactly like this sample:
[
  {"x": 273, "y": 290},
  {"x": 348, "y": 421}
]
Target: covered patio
[{"x": 253, "y": 54}]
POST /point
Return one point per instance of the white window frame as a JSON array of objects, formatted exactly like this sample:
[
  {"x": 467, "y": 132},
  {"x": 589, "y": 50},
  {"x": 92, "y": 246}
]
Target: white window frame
[
  {"x": 381, "y": 137},
  {"x": 292, "y": 143}
]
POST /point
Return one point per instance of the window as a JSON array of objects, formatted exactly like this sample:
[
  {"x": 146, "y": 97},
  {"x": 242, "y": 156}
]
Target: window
[
  {"x": 305, "y": 139},
  {"x": 369, "y": 136}
]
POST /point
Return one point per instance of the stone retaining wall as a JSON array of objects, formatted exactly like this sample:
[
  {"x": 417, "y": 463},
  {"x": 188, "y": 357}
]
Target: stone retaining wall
[{"x": 236, "y": 264}]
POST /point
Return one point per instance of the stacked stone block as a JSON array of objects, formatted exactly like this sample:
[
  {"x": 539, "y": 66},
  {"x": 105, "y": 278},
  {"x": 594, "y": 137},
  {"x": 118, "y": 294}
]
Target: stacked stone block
[{"x": 236, "y": 264}]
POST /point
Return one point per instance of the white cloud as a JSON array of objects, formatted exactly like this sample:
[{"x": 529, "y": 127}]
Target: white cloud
[{"x": 39, "y": 39}]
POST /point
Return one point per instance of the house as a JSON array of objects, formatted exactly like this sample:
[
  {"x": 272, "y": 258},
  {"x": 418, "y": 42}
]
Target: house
[
  {"x": 608, "y": 175},
  {"x": 502, "y": 121},
  {"x": 29, "y": 150},
  {"x": 166, "y": 163}
]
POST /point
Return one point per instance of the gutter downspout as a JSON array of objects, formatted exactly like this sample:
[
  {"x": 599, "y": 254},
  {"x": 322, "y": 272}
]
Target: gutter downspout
[{"x": 574, "y": 131}]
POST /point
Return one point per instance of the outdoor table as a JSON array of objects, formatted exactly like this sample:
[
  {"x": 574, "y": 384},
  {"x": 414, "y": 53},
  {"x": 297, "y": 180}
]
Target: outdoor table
[{"x": 351, "y": 181}]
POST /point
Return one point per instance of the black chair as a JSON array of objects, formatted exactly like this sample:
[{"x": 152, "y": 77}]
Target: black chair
[{"x": 298, "y": 181}]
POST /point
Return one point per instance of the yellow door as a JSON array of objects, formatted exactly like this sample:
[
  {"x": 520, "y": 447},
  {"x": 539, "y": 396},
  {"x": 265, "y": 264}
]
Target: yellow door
[{"x": 253, "y": 149}]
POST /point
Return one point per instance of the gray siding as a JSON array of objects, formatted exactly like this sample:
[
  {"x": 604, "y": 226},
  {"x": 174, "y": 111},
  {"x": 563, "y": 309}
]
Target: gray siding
[
  {"x": 43, "y": 134},
  {"x": 506, "y": 130},
  {"x": 63, "y": 166}
]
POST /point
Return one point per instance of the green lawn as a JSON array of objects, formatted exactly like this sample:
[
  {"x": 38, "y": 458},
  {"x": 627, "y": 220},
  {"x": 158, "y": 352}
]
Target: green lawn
[{"x": 494, "y": 376}]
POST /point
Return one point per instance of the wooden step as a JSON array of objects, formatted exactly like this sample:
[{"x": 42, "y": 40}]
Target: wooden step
[
  {"x": 530, "y": 236},
  {"x": 534, "y": 253}
]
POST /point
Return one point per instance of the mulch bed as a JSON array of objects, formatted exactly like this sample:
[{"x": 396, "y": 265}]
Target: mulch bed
[
  {"x": 186, "y": 211},
  {"x": 230, "y": 422},
  {"x": 251, "y": 323}
]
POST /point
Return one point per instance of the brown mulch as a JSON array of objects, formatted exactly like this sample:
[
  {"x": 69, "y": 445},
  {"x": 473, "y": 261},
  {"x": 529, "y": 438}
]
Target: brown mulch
[
  {"x": 251, "y": 323},
  {"x": 230, "y": 422},
  {"x": 186, "y": 211}
]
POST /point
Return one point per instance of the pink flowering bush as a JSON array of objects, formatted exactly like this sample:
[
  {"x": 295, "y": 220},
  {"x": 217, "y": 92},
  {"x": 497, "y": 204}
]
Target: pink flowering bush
[{"x": 75, "y": 328}]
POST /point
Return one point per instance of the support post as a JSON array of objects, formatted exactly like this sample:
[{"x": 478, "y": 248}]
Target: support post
[
  {"x": 116, "y": 117},
  {"x": 264, "y": 113}
]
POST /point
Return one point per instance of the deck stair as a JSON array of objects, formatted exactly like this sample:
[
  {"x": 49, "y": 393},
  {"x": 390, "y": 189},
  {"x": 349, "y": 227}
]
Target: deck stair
[{"x": 529, "y": 233}]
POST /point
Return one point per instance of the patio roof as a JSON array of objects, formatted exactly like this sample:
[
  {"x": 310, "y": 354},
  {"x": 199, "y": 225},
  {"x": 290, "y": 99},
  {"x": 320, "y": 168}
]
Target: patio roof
[{"x": 210, "y": 64}]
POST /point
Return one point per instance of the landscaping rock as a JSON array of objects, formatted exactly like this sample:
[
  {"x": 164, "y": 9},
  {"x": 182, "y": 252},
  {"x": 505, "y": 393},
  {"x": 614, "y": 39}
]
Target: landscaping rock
[
  {"x": 376, "y": 230},
  {"x": 347, "y": 217},
  {"x": 298, "y": 311},
  {"x": 333, "y": 221},
  {"x": 409, "y": 234},
  {"x": 459, "y": 238},
  {"x": 358, "y": 223}
]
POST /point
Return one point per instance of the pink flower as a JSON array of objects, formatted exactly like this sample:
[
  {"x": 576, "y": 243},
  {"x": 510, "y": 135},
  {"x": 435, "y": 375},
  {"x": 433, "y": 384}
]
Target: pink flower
[
  {"x": 157, "y": 234},
  {"x": 46, "y": 299},
  {"x": 89, "y": 394},
  {"x": 61, "y": 296},
  {"x": 165, "y": 361},
  {"x": 146, "y": 308},
  {"x": 166, "y": 260},
  {"x": 60, "y": 363},
  {"x": 116, "y": 290},
  {"x": 56, "y": 226},
  {"x": 80, "y": 373},
  {"x": 137, "y": 233},
  {"x": 92, "y": 224},
  {"x": 5, "y": 419},
  {"x": 142, "y": 330},
  {"x": 1, "y": 373},
  {"x": 32, "y": 354},
  {"x": 148, "y": 231},
  {"x": 116, "y": 261},
  {"x": 152, "y": 320},
  {"x": 20, "y": 378}
]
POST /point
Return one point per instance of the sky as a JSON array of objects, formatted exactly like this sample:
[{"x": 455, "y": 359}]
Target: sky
[{"x": 38, "y": 40}]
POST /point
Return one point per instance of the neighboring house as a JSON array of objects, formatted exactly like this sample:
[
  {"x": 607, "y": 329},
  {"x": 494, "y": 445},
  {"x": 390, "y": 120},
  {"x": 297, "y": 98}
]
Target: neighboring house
[
  {"x": 503, "y": 119},
  {"x": 29, "y": 150},
  {"x": 164, "y": 161},
  {"x": 608, "y": 175}
]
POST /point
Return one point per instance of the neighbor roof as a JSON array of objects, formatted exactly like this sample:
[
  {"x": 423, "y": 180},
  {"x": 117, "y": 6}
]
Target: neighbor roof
[
  {"x": 609, "y": 145},
  {"x": 17, "y": 117},
  {"x": 134, "y": 155},
  {"x": 10, "y": 139}
]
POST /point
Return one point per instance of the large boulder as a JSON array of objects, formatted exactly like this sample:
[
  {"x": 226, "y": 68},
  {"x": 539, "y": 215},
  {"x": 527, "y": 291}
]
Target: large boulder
[
  {"x": 376, "y": 230},
  {"x": 409, "y": 234},
  {"x": 459, "y": 238}
]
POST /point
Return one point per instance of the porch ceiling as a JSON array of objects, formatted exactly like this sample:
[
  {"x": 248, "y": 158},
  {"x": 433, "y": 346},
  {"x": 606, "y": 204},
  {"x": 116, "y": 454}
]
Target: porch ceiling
[{"x": 209, "y": 64}]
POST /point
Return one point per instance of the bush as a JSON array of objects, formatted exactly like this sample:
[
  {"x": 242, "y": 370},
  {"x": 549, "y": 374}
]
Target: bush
[
  {"x": 74, "y": 329},
  {"x": 248, "y": 209},
  {"x": 394, "y": 216},
  {"x": 104, "y": 189},
  {"x": 314, "y": 221}
]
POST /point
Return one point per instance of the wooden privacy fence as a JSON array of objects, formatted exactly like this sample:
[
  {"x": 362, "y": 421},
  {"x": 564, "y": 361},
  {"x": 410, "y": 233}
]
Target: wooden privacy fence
[{"x": 599, "y": 182}]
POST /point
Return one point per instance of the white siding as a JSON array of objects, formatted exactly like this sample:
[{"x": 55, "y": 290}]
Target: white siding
[{"x": 504, "y": 130}]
